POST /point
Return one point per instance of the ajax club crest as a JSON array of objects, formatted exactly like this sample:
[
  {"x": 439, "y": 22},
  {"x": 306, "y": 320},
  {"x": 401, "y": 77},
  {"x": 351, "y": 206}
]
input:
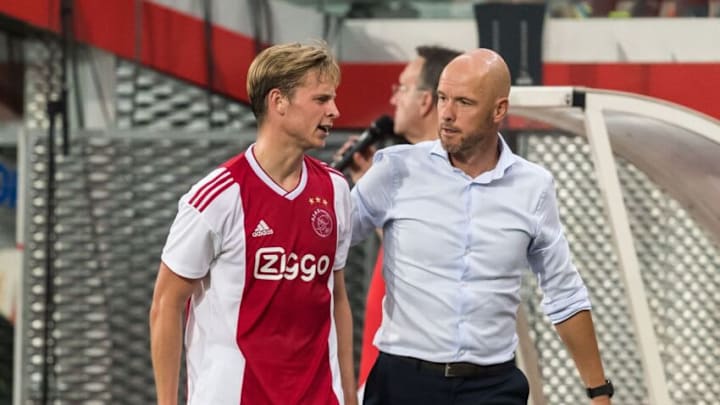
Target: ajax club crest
[
  {"x": 321, "y": 219},
  {"x": 322, "y": 222}
]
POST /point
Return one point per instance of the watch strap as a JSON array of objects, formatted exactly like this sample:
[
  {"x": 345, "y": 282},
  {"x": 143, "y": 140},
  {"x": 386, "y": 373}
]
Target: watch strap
[{"x": 605, "y": 389}]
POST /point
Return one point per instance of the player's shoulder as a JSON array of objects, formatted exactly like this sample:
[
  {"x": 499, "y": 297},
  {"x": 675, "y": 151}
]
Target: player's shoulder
[
  {"x": 236, "y": 162},
  {"x": 323, "y": 167},
  {"x": 212, "y": 190}
]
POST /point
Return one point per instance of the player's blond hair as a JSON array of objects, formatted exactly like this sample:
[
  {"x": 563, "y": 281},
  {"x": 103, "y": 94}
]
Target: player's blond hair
[{"x": 284, "y": 67}]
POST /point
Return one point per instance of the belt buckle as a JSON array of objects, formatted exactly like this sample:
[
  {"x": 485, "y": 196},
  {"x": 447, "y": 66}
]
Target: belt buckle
[{"x": 449, "y": 371}]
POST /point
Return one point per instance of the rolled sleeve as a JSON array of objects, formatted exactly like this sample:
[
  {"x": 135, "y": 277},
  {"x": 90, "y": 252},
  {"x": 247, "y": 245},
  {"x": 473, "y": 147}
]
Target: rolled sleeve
[{"x": 564, "y": 292}]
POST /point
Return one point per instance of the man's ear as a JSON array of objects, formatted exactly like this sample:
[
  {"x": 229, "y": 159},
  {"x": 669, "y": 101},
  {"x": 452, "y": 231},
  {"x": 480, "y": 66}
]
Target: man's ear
[
  {"x": 501, "y": 109},
  {"x": 277, "y": 101},
  {"x": 426, "y": 103}
]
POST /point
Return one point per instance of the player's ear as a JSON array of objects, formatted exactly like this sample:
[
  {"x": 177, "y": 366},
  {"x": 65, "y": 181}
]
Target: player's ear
[{"x": 277, "y": 101}]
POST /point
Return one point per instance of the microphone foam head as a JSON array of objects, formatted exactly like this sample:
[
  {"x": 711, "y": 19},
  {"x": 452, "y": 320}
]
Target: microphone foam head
[{"x": 384, "y": 125}]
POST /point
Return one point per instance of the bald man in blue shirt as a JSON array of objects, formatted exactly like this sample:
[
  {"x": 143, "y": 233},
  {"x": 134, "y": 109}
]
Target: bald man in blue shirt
[{"x": 463, "y": 217}]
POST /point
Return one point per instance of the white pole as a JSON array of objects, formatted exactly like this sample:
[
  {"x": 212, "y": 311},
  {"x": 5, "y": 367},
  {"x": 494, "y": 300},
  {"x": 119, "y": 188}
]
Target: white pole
[{"x": 609, "y": 183}]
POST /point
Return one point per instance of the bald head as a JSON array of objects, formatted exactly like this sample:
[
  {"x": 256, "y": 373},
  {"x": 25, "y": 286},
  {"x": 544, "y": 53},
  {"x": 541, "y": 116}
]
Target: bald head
[
  {"x": 488, "y": 66},
  {"x": 473, "y": 97}
]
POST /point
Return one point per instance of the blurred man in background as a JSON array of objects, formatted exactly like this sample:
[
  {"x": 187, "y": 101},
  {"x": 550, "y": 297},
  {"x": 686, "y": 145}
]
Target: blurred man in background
[{"x": 416, "y": 119}]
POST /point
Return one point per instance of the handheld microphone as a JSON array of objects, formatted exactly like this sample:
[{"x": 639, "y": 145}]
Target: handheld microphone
[{"x": 380, "y": 128}]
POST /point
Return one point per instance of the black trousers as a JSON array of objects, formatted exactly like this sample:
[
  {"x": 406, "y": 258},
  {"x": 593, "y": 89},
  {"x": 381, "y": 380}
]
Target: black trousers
[{"x": 396, "y": 381}]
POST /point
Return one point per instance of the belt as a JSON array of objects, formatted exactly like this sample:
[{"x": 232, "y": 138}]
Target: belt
[{"x": 459, "y": 369}]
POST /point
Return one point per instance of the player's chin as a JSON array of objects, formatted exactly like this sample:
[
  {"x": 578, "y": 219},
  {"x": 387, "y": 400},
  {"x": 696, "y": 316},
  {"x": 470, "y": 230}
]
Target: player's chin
[{"x": 318, "y": 139}]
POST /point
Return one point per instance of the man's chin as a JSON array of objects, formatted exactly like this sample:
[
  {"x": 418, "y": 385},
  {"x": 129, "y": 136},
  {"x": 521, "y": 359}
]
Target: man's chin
[{"x": 450, "y": 147}]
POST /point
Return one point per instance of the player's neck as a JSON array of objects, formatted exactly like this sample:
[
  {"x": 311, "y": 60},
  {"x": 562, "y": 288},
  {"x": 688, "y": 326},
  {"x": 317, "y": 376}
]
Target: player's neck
[{"x": 282, "y": 162}]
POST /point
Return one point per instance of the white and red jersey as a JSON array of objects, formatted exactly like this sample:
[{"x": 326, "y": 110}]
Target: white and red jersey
[{"x": 261, "y": 328}]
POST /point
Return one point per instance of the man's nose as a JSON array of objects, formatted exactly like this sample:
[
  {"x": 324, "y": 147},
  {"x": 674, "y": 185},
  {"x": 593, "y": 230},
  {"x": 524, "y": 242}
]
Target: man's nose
[
  {"x": 333, "y": 111},
  {"x": 447, "y": 112}
]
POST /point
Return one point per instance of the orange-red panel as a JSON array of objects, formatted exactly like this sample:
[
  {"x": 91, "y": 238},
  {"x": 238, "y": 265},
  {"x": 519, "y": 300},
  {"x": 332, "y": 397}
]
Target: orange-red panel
[{"x": 173, "y": 42}]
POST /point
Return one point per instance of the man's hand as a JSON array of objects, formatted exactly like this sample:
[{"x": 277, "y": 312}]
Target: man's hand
[{"x": 361, "y": 161}]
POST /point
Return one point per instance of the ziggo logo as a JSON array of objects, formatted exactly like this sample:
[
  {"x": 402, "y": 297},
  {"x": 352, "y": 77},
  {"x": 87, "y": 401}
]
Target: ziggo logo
[{"x": 271, "y": 263}]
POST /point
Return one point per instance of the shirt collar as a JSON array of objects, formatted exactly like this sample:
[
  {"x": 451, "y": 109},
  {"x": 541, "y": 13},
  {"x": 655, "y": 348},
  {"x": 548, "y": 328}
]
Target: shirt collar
[{"x": 507, "y": 159}]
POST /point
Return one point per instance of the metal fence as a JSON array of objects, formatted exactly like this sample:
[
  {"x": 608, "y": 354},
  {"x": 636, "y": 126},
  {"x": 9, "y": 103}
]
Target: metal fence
[{"x": 117, "y": 195}]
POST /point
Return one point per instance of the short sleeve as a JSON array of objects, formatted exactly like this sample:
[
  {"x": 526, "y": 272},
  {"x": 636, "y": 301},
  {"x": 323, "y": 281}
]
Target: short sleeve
[
  {"x": 195, "y": 238},
  {"x": 344, "y": 223},
  {"x": 191, "y": 244}
]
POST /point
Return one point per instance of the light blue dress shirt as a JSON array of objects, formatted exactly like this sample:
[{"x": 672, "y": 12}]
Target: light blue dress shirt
[{"x": 455, "y": 250}]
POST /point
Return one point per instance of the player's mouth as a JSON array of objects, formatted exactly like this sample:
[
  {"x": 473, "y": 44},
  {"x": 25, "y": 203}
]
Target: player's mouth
[{"x": 325, "y": 128}]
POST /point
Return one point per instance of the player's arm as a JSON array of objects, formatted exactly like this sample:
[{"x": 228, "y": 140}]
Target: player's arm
[
  {"x": 166, "y": 330},
  {"x": 344, "y": 327}
]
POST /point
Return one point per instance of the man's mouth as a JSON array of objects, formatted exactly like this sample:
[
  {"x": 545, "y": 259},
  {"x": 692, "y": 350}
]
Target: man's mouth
[
  {"x": 325, "y": 128},
  {"x": 448, "y": 130}
]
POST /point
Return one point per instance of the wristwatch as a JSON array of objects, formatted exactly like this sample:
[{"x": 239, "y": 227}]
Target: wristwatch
[{"x": 605, "y": 389}]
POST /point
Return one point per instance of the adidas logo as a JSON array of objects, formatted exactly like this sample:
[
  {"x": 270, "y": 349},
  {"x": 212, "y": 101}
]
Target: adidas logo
[{"x": 262, "y": 229}]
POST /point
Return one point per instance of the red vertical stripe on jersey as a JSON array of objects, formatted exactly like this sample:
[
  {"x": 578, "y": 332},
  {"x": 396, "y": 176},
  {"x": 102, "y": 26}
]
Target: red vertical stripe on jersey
[{"x": 285, "y": 316}]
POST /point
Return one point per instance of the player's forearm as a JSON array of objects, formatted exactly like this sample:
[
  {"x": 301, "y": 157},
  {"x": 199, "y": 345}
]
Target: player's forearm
[
  {"x": 578, "y": 334},
  {"x": 343, "y": 324},
  {"x": 166, "y": 349}
]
